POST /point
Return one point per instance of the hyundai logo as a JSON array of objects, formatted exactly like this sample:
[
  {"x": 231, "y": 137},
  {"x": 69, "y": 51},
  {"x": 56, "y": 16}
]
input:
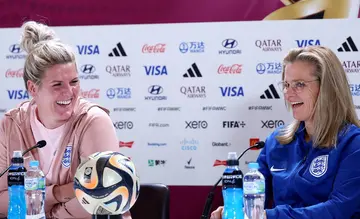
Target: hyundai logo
[
  {"x": 155, "y": 89},
  {"x": 229, "y": 43},
  {"x": 15, "y": 48},
  {"x": 87, "y": 69}
]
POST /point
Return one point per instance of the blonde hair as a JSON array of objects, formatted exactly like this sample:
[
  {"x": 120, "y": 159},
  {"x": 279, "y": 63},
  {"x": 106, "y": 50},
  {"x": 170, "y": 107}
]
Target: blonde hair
[
  {"x": 334, "y": 106},
  {"x": 43, "y": 49}
]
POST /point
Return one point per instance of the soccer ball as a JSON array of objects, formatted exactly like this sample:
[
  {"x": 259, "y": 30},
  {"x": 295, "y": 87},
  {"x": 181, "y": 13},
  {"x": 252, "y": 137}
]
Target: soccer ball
[{"x": 106, "y": 183}]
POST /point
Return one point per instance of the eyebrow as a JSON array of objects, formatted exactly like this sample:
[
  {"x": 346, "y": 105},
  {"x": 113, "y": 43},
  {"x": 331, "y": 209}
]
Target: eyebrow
[{"x": 77, "y": 78}]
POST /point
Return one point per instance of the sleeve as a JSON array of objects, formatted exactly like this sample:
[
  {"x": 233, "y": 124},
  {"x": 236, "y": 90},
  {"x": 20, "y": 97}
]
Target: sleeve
[
  {"x": 99, "y": 135},
  {"x": 4, "y": 198},
  {"x": 265, "y": 170},
  {"x": 343, "y": 201}
]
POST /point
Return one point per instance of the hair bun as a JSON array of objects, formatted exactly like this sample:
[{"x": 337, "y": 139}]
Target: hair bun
[{"x": 34, "y": 33}]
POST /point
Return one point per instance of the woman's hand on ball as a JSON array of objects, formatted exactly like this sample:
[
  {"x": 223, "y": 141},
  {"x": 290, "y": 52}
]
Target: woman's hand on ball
[{"x": 64, "y": 193}]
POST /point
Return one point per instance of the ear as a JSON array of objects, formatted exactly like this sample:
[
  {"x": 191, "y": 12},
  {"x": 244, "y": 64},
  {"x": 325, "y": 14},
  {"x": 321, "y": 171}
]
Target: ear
[{"x": 32, "y": 88}]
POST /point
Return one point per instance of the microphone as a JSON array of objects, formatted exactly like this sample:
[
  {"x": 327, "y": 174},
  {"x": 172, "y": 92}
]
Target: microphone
[
  {"x": 40, "y": 144},
  {"x": 210, "y": 198}
]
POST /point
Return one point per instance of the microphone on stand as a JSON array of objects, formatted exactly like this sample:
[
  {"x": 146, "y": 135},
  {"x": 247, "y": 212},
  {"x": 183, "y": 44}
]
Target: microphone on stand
[
  {"x": 210, "y": 198},
  {"x": 40, "y": 144}
]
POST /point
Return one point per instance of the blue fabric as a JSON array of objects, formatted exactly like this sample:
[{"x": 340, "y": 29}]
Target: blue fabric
[{"x": 306, "y": 182}]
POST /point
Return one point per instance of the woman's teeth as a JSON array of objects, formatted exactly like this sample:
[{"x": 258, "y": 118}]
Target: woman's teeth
[
  {"x": 296, "y": 103},
  {"x": 65, "y": 102}
]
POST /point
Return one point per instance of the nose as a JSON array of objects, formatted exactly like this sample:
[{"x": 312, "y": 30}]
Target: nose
[{"x": 67, "y": 89}]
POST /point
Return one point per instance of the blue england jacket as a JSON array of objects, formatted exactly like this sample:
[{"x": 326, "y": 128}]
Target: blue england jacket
[{"x": 303, "y": 182}]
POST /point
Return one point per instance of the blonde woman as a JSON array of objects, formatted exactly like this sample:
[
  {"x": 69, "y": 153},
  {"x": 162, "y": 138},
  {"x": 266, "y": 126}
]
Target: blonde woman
[
  {"x": 311, "y": 166},
  {"x": 56, "y": 114}
]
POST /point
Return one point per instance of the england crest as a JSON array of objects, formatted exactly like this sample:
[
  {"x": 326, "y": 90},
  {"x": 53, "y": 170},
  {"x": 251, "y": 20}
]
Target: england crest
[
  {"x": 319, "y": 166},
  {"x": 66, "y": 160}
]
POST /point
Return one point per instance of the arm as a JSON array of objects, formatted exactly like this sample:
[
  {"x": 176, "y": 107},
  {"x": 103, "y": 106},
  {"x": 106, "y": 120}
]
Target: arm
[
  {"x": 99, "y": 135},
  {"x": 4, "y": 162},
  {"x": 265, "y": 170},
  {"x": 343, "y": 200}
]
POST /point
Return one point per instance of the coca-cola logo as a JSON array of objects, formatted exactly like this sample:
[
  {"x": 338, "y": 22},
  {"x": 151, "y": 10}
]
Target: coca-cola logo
[
  {"x": 93, "y": 93},
  {"x": 158, "y": 48},
  {"x": 14, "y": 73},
  {"x": 232, "y": 69}
]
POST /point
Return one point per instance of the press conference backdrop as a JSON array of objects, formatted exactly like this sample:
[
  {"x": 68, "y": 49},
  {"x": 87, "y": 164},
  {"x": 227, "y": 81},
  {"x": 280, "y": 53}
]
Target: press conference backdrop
[{"x": 182, "y": 96}]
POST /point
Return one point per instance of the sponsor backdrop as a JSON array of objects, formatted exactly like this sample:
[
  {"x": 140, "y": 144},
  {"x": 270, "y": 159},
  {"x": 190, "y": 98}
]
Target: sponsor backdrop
[
  {"x": 185, "y": 95},
  {"x": 180, "y": 103}
]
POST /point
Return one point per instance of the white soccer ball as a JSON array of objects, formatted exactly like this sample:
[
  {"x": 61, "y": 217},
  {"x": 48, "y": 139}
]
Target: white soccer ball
[{"x": 106, "y": 183}]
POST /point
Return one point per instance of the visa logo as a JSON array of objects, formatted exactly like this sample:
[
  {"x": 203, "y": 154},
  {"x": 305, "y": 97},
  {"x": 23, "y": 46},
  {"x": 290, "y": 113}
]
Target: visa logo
[
  {"x": 18, "y": 94},
  {"x": 232, "y": 91},
  {"x": 88, "y": 49},
  {"x": 304, "y": 43},
  {"x": 155, "y": 70}
]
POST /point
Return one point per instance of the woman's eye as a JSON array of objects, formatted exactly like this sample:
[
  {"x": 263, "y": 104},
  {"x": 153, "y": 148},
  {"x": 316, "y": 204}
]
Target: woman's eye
[{"x": 300, "y": 84}]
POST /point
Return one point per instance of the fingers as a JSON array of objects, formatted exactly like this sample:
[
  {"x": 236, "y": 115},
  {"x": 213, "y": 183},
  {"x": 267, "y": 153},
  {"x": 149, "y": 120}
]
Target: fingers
[{"x": 217, "y": 213}]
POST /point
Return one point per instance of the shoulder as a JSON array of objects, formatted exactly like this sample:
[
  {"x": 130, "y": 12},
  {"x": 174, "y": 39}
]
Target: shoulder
[
  {"x": 271, "y": 139},
  {"x": 349, "y": 140},
  {"x": 17, "y": 114},
  {"x": 86, "y": 110},
  {"x": 90, "y": 117}
]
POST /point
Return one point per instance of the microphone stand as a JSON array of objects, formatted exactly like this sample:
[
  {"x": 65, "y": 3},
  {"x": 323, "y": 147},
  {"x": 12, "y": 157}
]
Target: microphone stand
[{"x": 210, "y": 198}]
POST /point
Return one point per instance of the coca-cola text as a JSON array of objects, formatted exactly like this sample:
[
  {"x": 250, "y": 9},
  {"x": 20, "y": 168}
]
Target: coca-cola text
[
  {"x": 233, "y": 69},
  {"x": 14, "y": 73},
  {"x": 93, "y": 93},
  {"x": 158, "y": 48}
]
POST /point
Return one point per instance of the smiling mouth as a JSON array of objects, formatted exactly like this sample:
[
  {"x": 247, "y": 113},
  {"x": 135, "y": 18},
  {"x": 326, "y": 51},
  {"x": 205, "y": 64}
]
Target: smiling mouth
[
  {"x": 296, "y": 103},
  {"x": 64, "y": 102}
]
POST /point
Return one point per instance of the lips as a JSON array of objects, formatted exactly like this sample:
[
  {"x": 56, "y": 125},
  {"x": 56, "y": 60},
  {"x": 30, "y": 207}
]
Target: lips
[{"x": 64, "y": 102}]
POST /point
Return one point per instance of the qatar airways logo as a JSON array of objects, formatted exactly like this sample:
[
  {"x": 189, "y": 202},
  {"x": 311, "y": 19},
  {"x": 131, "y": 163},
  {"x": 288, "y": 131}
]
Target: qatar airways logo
[
  {"x": 14, "y": 73},
  {"x": 90, "y": 94},
  {"x": 230, "y": 69},
  {"x": 157, "y": 48}
]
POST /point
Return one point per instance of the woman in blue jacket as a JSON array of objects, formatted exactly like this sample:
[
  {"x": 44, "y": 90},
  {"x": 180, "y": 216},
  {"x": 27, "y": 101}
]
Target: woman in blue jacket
[{"x": 312, "y": 166}]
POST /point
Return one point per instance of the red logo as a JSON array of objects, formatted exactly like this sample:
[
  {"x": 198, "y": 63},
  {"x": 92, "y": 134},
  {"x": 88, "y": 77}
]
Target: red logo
[
  {"x": 233, "y": 69},
  {"x": 128, "y": 144},
  {"x": 219, "y": 163},
  {"x": 93, "y": 93},
  {"x": 14, "y": 73},
  {"x": 158, "y": 48},
  {"x": 253, "y": 141}
]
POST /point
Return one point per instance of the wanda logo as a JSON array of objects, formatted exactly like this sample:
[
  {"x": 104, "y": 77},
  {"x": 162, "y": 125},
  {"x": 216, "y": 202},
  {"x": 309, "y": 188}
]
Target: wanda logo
[
  {"x": 93, "y": 93},
  {"x": 232, "y": 69},
  {"x": 158, "y": 48},
  {"x": 14, "y": 73}
]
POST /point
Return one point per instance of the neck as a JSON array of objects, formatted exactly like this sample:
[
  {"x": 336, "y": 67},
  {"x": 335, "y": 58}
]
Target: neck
[
  {"x": 309, "y": 130},
  {"x": 47, "y": 121}
]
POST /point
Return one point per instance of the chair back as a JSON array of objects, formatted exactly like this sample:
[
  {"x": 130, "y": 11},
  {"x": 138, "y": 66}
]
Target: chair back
[{"x": 152, "y": 203}]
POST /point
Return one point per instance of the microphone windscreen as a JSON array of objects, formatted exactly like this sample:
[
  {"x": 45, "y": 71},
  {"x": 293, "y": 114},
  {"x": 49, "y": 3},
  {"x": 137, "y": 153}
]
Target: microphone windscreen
[
  {"x": 260, "y": 144},
  {"x": 41, "y": 144}
]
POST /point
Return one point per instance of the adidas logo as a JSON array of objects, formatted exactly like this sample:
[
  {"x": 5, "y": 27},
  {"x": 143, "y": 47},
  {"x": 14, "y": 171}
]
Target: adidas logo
[
  {"x": 270, "y": 93},
  {"x": 193, "y": 72},
  {"x": 84, "y": 201},
  {"x": 348, "y": 46},
  {"x": 118, "y": 51}
]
